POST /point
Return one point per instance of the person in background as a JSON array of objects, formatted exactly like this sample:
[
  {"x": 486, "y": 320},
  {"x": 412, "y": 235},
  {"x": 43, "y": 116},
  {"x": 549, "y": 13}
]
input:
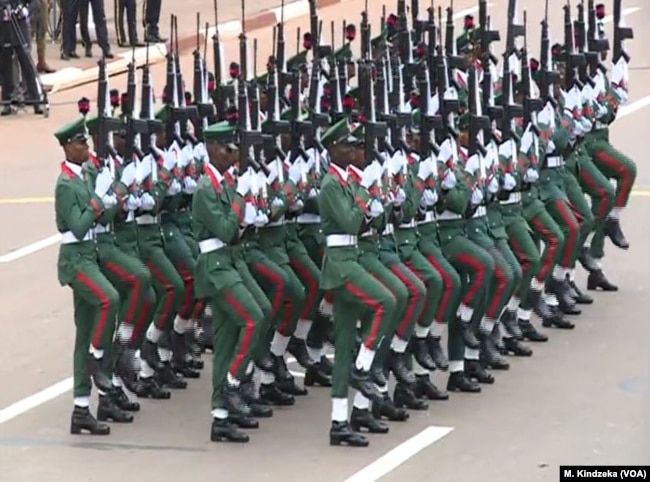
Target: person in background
[
  {"x": 151, "y": 18},
  {"x": 101, "y": 32},
  {"x": 39, "y": 21},
  {"x": 126, "y": 37}
]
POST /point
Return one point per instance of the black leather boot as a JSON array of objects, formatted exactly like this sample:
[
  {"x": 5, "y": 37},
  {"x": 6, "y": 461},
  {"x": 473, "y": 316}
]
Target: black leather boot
[
  {"x": 167, "y": 377},
  {"x": 225, "y": 431},
  {"x": 341, "y": 433},
  {"x": 530, "y": 333},
  {"x": 509, "y": 322},
  {"x": 556, "y": 320},
  {"x": 387, "y": 409},
  {"x": 326, "y": 364},
  {"x": 107, "y": 410},
  {"x": 474, "y": 370},
  {"x": 83, "y": 421},
  {"x": 362, "y": 420},
  {"x": 122, "y": 401},
  {"x": 437, "y": 353},
  {"x": 149, "y": 388},
  {"x": 288, "y": 385},
  {"x": 258, "y": 408},
  {"x": 298, "y": 349},
  {"x": 270, "y": 394},
  {"x": 419, "y": 348},
  {"x": 316, "y": 375},
  {"x": 404, "y": 397},
  {"x": 378, "y": 376},
  {"x": 96, "y": 369},
  {"x": 179, "y": 352},
  {"x": 243, "y": 422},
  {"x": 360, "y": 380},
  {"x": 514, "y": 346},
  {"x": 469, "y": 338},
  {"x": 586, "y": 260},
  {"x": 232, "y": 395},
  {"x": 597, "y": 280},
  {"x": 490, "y": 356},
  {"x": 615, "y": 233},
  {"x": 460, "y": 382},
  {"x": 580, "y": 297},
  {"x": 424, "y": 388},
  {"x": 267, "y": 363},
  {"x": 560, "y": 289},
  {"x": 149, "y": 353},
  {"x": 398, "y": 364}
]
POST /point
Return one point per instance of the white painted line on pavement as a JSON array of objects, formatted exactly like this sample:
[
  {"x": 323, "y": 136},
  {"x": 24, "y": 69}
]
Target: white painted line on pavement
[
  {"x": 400, "y": 454},
  {"x": 30, "y": 249},
  {"x": 633, "y": 107},
  {"x": 33, "y": 401},
  {"x": 624, "y": 13}
]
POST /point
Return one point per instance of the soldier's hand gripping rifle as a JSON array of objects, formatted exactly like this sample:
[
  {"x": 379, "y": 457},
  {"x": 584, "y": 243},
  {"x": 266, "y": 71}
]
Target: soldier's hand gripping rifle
[
  {"x": 511, "y": 110},
  {"x": 621, "y": 33},
  {"x": 547, "y": 77},
  {"x": 594, "y": 42},
  {"x": 223, "y": 92},
  {"x": 135, "y": 127},
  {"x": 532, "y": 104},
  {"x": 573, "y": 60},
  {"x": 204, "y": 105}
]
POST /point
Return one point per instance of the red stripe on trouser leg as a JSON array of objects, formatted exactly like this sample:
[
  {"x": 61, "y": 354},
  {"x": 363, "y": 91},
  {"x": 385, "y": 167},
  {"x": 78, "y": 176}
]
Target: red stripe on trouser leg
[
  {"x": 626, "y": 179},
  {"x": 329, "y": 297},
  {"x": 448, "y": 288},
  {"x": 500, "y": 276},
  {"x": 140, "y": 322},
  {"x": 277, "y": 281},
  {"x": 479, "y": 270},
  {"x": 248, "y": 333},
  {"x": 413, "y": 299},
  {"x": 519, "y": 253},
  {"x": 311, "y": 286},
  {"x": 169, "y": 296},
  {"x": 552, "y": 245},
  {"x": 426, "y": 287},
  {"x": 572, "y": 235},
  {"x": 374, "y": 305},
  {"x": 197, "y": 311},
  {"x": 132, "y": 280},
  {"x": 185, "y": 311},
  {"x": 601, "y": 210},
  {"x": 104, "y": 307}
]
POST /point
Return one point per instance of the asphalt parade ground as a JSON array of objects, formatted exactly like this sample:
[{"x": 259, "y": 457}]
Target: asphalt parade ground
[{"x": 583, "y": 398}]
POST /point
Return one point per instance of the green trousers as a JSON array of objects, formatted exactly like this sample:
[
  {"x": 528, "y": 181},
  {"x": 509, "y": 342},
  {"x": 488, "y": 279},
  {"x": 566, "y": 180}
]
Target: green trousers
[
  {"x": 546, "y": 230},
  {"x": 524, "y": 247},
  {"x": 429, "y": 246},
  {"x": 307, "y": 272},
  {"x": 581, "y": 211},
  {"x": 126, "y": 237},
  {"x": 96, "y": 304},
  {"x": 473, "y": 264},
  {"x": 362, "y": 297},
  {"x": 167, "y": 283},
  {"x": 507, "y": 271},
  {"x": 614, "y": 165}
]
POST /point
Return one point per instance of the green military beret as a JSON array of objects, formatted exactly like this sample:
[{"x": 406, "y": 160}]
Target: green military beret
[
  {"x": 465, "y": 43},
  {"x": 463, "y": 121},
  {"x": 222, "y": 132},
  {"x": 286, "y": 115},
  {"x": 298, "y": 61},
  {"x": 344, "y": 53},
  {"x": 162, "y": 114},
  {"x": 74, "y": 131}
]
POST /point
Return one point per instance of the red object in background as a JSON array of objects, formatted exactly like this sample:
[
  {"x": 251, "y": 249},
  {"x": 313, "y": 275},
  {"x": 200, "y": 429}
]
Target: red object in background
[
  {"x": 534, "y": 65},
  {"x": 348, "y": 102},
  {"x": 307, "y": 41},
  {"x": 468, "y": 22},
  {"x": 83, "y": 105},
  {"x": 350, "y": 32}
]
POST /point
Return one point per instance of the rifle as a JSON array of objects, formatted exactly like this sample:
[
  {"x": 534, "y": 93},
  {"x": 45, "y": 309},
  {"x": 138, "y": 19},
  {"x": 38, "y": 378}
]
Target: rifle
[
  {"x": 514, "y": 30},
  {"x": 205, "y": 107},
  {"x": 532, "y": 105},
  {"x": 135, "y": 126},
  {"x": 430, "y": 121},
  {"x": 223, "y": 91},
  {"x": 372, "y": 128},
  {"x": 451, "y": 49},
  {"x": 580, "y": 37},
  {"x": 274, "y": 126},
  {"x": 478, "y": 124},
  {"x": 594, "y": 44},
  {"x": 547, "y": 77},
  {"x": 572, "y": 59},
  {"x": 487, "y": 36},
  {"x": 107, "y": 124},
  {"x": 317, "y": 119},
  {"x": 447, "y": 95},
  {"x": 621, "y": 33},
  {"x": 510, "y": 109}
]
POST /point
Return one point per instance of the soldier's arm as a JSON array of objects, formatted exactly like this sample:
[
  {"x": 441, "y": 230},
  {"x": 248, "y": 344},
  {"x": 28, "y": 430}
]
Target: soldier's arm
[
  {"x": 333, "y": 203},
  {"x": 457, "y": 199},
  {"x": 413, "y": 191},
  {"x": 78, "y": 219},
  {"x": 221, "y": 220}
]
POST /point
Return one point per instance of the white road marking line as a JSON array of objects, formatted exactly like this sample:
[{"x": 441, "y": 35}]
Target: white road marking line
[
  {"x": 633, "y": 107},
  {"x": 33, "y": 401},
  {"x": 625, "y": 13},
  {"x": 400, "y": 454},
  {"x": 30, "y": 249}
]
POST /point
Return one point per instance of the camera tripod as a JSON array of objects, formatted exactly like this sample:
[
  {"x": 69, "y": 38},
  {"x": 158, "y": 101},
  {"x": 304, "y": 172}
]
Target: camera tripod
[{"x": 15, "y": 46}]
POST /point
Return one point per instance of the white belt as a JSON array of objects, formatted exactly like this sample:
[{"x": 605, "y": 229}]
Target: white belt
[
  {"x": 389, "y": 229},
  {"x": 480, "y": 212},
  {"x": 367, "y": 234},
  {"x": 514, "y": 198},
  {"x": 448, "y": 216},
  {"x": 100, "y": 229},
  {"x": 68, "y": 237},
  {"x": 340, "y": 240},
  {"x": 146, "y": 219},
  {"x": 308, "y": 219},
  {"x": 280, "y": 222},
  {"x": 410, "y": 224},
  {"x": 554, "y": 161},
  {"x": 429, "y": 217},
  {"x": 210, "y": 244},
  {"x": 601, "y": 125},
  {"x": 130, "y": 217}
]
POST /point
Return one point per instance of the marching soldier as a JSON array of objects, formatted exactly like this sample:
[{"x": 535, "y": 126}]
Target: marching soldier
[{"x": 79, "y": 205}]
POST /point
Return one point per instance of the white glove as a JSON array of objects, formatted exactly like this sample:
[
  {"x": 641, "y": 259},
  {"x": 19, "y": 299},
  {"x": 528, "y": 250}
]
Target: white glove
[
  {"x": 189, "y": 185},
  {"x": 578, "y": 129},
  {"x": 477, "y": 196},
  {"x": 509, "y": 182},
  {"x": 147, "y": 202},
  {"x": 297, "y": 206},
  {"x": 109, "y": 200},
  {"x": 313, "y": 193},
  {"x": 493, "y": 185},
  {"x": 174, "y": 188},
  {"x": 375, "y": 209},
  {"x": 261, "y": 220},
  {"x": 531, "y": 175},
  {"x": 400, "y": 197},
  {"x": 622, "y": 94},
  {"x": 132, "y": 203},
  {"x": 587, "y": 125},
  {"x": 277, "y": 203},
  {"x": 250, "y": 214},
  {"x": 449, "y": 181},
  {"x": 429, "y": 197}
]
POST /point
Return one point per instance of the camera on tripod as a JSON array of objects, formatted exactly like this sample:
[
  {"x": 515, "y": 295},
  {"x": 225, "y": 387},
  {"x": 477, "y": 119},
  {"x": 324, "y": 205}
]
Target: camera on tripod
[{"x": 21, "y": 84}]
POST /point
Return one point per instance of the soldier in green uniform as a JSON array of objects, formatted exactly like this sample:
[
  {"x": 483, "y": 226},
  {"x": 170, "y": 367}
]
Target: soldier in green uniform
[
  {"x": 345, "y": 213},
  {"x": 78, "y": 206},
  {"x": 219, "y": 217}
]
